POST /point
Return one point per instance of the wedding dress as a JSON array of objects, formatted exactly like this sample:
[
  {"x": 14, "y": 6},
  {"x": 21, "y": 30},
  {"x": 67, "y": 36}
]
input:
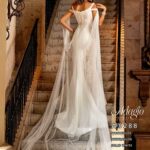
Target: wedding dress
[{"x": 77, "y": 105}]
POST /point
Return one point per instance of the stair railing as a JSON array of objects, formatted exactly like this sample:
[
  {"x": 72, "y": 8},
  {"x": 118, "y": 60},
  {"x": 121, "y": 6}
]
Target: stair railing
[
  {"x": 18, "y": 94},
  {"x": 50, "y": 4},
  {"x": 50, "y": 19},
  {"x": 120, "y": 65}
]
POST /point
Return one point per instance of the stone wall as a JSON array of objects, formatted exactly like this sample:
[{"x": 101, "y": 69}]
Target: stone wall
[
  {"x": 33, "y": 9},
  {"x": 132, "y": 47},
  {"x": 10, "y": 50},
  {"x": 134, "y": 41},
  {"x": 3, "y": 6}
]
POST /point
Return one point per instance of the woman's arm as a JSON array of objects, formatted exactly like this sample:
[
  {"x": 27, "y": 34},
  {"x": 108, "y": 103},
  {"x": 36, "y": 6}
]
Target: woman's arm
[
  {"x": 102, "y": 17},
  {"x": 65, "y": 18}
]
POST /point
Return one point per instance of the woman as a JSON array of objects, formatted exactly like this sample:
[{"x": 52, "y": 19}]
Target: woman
[
  {"x": 80, "y": 5},
  {"x": 77, "y": 103}
]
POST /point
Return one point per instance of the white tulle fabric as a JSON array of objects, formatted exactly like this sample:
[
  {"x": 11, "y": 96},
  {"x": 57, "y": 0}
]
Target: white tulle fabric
[{"x": 77, "y": 105}]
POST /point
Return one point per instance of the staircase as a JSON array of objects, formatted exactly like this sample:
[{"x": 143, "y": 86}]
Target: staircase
[{"x": 51, "y": 61}]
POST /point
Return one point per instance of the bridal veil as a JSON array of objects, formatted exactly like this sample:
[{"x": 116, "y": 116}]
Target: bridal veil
[{"x": 62, "y": 101}]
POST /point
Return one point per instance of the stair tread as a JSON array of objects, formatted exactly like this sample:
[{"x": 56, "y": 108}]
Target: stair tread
[
  {"x": 59, "y": 134},
  {"x": 44, "y": 95},
  {"x": 34, "y": 118},
  {"x": 48, "y": 85},
  {"x": 39, "y": 107}
]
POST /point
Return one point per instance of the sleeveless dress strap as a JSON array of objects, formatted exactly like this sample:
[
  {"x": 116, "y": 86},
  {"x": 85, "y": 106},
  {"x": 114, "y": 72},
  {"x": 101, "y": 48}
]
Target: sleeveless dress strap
[{"x": 92, "y": 6}]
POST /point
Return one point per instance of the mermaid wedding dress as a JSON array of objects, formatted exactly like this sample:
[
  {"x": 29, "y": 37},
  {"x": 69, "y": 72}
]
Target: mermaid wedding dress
[{"x": 77, "y": 105}]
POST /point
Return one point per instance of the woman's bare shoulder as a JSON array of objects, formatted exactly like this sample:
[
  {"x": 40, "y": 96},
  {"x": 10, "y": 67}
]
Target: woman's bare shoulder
[{"x": 94, "y": 5}]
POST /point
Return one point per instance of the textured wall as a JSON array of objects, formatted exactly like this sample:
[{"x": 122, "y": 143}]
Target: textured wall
[
  {"x": 33, "y": 9},
  {"x": 132, "y": 46},
  {"x": 10, "y": 50},
  {"x": 2, "y": 69},
  {"x": 134, "y": 33}
]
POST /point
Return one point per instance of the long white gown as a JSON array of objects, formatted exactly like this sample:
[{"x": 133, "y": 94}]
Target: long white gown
[{"x": 77, "y": 105}]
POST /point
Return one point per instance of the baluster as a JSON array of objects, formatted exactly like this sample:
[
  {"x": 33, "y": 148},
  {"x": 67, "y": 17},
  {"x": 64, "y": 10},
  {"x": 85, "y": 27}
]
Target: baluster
[{"x": 18, "y": 95}]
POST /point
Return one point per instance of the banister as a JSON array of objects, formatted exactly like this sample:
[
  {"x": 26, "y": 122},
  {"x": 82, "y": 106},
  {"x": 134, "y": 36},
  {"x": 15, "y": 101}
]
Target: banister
[
  {"x": 120, "y": 62},
  {"x": 117, "y": 67},
  {"x": 17, "y": 95}
]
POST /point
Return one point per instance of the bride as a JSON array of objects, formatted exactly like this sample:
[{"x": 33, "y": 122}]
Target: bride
[{"x": 77, "y": 105}]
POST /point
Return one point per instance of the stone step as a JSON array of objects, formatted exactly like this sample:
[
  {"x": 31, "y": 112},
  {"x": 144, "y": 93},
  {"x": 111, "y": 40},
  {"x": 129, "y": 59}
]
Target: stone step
[
  {"x": 59, "y": 43},
  {"x": 60, "y": 135},
  {"x": 58, "y": 49},
  {"x": 109, "y": 20},
  {"x": 34, "y": 118},
  {"x": 73, "y": 20},
  {"x": 39, "y": 107},
  {"x": 54, "y": 67},
  {"x": 110, "y": 13},
  {"x": 45, "y": 85},
  {"x": 105, "y": 33},
  {"x": 44, "y": 96},
  {"x": 111, "y": 7},
  {"x": 109, "y": 97},
  {"x": 48, "y": 76},
  {"x": 106, "y": 2},
  {"x": 112, "y": 26},
  {"x": 106, "y": 42},
  {"x": 108, "y": 66},
  {"x": 61, "y": 145},
  {"x": 108, "y": 49},
  {"x": 50, "y": 59},
  {"x": 64, "y": 7}
]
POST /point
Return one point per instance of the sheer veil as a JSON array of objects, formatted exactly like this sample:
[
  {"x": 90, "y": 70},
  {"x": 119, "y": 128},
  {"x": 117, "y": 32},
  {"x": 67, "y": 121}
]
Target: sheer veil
[{"x": 60, "y": 100}]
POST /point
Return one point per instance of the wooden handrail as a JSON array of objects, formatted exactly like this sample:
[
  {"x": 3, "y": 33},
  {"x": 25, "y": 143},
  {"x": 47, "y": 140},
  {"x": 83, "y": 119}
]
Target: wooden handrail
[
  {"x": 117, "y": 66},
  {"x": 120, "y": 62}
]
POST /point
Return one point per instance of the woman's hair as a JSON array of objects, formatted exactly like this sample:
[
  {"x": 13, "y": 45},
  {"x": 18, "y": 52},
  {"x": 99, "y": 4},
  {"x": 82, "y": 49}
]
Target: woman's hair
[{"x": 81, "y": 1}]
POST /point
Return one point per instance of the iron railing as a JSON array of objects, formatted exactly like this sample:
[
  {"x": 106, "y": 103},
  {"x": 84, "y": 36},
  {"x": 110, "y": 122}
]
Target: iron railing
[
  {"x": 50, "y": 4},
  {"x": 18, "y": 94}
]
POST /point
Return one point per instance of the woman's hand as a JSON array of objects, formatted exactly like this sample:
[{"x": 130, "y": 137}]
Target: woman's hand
[{"x": 101, "y": 6}]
